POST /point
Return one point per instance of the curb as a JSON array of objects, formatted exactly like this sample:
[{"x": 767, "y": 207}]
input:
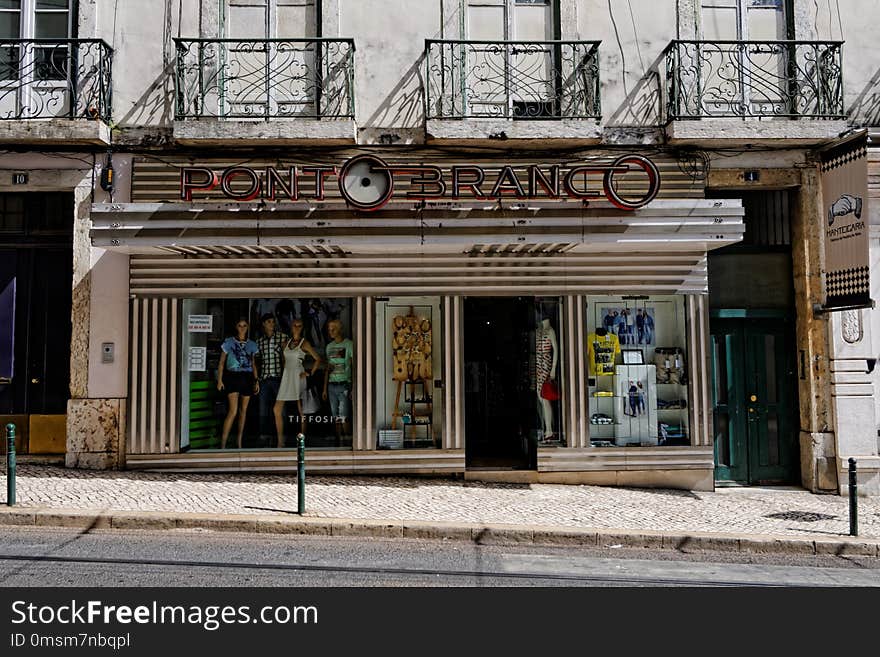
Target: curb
[{"x": 480, "y": 534}]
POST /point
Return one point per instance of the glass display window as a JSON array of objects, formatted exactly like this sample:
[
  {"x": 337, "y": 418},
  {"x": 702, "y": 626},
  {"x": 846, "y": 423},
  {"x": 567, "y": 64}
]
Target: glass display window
[
  {"x": 409, "y": 368},
  {"x": 257, "y": 372},
  {"x": 638, "y": 386}
]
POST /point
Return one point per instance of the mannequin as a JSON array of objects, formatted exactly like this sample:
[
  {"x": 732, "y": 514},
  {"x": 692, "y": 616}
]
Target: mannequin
[
  {"x": 337, "y": 381},
  {"x": 546, "y": 360}
]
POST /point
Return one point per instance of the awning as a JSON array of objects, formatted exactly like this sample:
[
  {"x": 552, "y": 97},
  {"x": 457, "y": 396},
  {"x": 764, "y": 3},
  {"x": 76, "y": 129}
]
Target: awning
[{"x": 253, "y": 250}]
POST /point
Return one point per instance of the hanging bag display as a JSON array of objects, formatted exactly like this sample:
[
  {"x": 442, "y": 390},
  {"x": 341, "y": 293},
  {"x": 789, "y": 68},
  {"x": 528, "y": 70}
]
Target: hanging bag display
[
  {"x": 310, "y": 401},
  {"x": 549, "y": 390}
]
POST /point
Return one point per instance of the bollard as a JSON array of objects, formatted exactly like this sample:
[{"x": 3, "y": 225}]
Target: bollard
[
  {"x": 10, "y": 465},
  {"x": 853, "y": 499},
  {"x": 300, "y": 474}
]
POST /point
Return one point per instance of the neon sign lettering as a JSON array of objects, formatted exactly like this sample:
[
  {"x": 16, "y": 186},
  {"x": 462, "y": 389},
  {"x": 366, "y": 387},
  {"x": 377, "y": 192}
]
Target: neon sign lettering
[{"x": 367, "y": 182}]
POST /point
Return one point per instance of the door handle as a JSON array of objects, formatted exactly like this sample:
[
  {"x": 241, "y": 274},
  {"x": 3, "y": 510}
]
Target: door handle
[
  {"x": 35, "y": 381},
  {"x": 753, "y": 398}
]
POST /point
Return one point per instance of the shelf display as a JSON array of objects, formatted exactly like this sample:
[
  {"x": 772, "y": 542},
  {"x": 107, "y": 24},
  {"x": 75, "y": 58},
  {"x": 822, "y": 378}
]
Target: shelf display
[{"x": 634, "y": 404}]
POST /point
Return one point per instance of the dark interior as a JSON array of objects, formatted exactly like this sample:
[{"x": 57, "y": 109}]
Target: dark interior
[{"x": 500, "y": 407}]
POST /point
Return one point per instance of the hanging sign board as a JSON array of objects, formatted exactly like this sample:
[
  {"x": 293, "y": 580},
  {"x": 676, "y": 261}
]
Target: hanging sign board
[{"x": 844, "y": 170}]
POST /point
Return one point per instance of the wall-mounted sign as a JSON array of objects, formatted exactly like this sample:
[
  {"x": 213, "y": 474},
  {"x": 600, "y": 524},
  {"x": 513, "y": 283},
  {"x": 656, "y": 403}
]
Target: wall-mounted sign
[
  {"x": 200, "y": 323},
  {"x": 367, "y": 182},
  {"x": 845, "y": 225},
  {"x": 19, "y": 178}
]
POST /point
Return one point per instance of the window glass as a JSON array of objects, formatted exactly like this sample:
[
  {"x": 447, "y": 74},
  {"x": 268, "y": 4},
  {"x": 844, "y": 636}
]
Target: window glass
[
  {"x": 410, "y": 363},
  {"x": 287, "y": 369},
  {"x": 638, "y": 384},
  {"x": 10, "y": 22},
  {"x": 51, "y": 25},
  {"x": 545, "y": 370}
]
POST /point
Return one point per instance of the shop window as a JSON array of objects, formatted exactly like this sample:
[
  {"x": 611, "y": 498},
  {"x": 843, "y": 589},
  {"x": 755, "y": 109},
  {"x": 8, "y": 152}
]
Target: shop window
[
  {"x": 287, "y": 368},
  {"x": 409, "y": 372},
  {"x": 638, "y": 381},
  {"x": 546, "y": 363}
]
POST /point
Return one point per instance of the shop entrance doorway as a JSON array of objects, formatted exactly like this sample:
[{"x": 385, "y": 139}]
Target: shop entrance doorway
[
  {"x": 500, "y": 406},
  {"x": 36, "y": 265},
  {"x": 754, "y": 395}
]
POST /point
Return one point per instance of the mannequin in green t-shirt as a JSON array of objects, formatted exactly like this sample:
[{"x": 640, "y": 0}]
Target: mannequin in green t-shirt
[{"x": 337, "y": 381}]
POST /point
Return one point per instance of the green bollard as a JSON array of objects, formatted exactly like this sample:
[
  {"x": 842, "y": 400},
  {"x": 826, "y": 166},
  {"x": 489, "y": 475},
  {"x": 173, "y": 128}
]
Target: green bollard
[
  {"x": 10, "y": 464},
  {"x": 301, "y": 474},
  {"x": 853, "y": 499}
]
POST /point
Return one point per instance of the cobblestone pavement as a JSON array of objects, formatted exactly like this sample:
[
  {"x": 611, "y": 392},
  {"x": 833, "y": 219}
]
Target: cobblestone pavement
[{"x": 780, "y": 511}]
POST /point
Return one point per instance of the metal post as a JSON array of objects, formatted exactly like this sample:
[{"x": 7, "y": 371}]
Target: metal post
[
  {"x": 853, "y": 499},
  {"x": 10, "y": 464},
  {"x": 301, "y": 474}
]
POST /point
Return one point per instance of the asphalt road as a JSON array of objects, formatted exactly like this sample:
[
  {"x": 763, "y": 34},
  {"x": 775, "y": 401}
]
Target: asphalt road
[{"x": 57, "y": 557}]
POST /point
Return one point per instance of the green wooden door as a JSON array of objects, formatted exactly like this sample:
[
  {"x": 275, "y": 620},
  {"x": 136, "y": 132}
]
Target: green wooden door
[{"x": 754, "y": 394}]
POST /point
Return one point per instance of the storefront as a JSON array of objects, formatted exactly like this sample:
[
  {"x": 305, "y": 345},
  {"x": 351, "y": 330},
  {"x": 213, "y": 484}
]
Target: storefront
[{"x": 537, "y": 319}]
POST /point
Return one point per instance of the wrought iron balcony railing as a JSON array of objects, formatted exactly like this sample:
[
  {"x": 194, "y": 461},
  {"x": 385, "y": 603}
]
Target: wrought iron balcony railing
[
  {"x": 512, "y": 79},
  {"x": 793, "y": 79},
  {"x": 55, "y": 78},
  {"x": 265, "y": 79}
]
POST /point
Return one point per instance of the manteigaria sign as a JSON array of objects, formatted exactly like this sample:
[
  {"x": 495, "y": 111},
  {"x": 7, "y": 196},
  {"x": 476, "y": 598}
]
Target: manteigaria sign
[
  {"x": 845, "y": 225},
  {"x": 367, "y": 182}
]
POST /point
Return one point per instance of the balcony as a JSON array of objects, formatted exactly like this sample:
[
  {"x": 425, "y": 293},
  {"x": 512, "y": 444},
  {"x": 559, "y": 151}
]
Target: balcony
[
  {"x": 754, "y": 91},
  {"x": 512, "y": 90},
  {"x": 55, "y": 90},
  {"x": 271, "y": 90}
]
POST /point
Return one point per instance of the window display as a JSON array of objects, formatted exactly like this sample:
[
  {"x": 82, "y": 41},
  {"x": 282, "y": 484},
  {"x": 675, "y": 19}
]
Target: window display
[
  {"x": 409, "y": 412},
  {"x": 546, "y": 361},
  {"x": 638, "y": 389},
  {"x": 546, "y": 354},
  {"x": 291, "y": 354}
]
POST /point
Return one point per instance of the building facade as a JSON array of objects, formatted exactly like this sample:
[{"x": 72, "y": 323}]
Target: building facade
[{"x": 530, "y": 240}]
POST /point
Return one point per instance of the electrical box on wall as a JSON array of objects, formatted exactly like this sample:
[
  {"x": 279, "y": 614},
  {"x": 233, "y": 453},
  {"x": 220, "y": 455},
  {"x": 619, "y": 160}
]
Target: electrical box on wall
[{"x": 107, "y": 352}]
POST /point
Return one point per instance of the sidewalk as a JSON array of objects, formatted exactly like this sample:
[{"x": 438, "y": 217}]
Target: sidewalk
[{"x": 741, "y": 519}]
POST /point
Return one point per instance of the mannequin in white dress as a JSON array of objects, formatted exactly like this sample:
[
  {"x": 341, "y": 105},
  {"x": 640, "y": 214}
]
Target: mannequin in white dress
[
  {"x": 546, "y": 360},
  {"x": 293, "y": 380}
]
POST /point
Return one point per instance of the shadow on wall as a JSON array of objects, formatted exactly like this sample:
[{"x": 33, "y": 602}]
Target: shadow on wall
[
  {"x": 865, "y": 110},
  {"x": 404, "y": 106},
  {"x": 155, "y": 106},
  {"x": 642, "y": 106}
]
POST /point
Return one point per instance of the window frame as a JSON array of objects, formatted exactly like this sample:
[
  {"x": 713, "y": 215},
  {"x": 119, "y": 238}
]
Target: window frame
[
  {"x": 509, "y": 34},
  {"x": 26, "y": 77}
]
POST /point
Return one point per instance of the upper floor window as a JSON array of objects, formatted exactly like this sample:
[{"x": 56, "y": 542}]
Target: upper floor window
[
  {"x": 511, "y": 20},
  {"x": 743, "y": 20},
  {"x": 35, "y": 19},
  {"x": 269, "y": 19}
]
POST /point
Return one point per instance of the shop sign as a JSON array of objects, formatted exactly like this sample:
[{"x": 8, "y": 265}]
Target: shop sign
[
  {"x": 845, "y": 225},
  {"x": 367, "y": 182},
  {"x": 200, "y": 323}
]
